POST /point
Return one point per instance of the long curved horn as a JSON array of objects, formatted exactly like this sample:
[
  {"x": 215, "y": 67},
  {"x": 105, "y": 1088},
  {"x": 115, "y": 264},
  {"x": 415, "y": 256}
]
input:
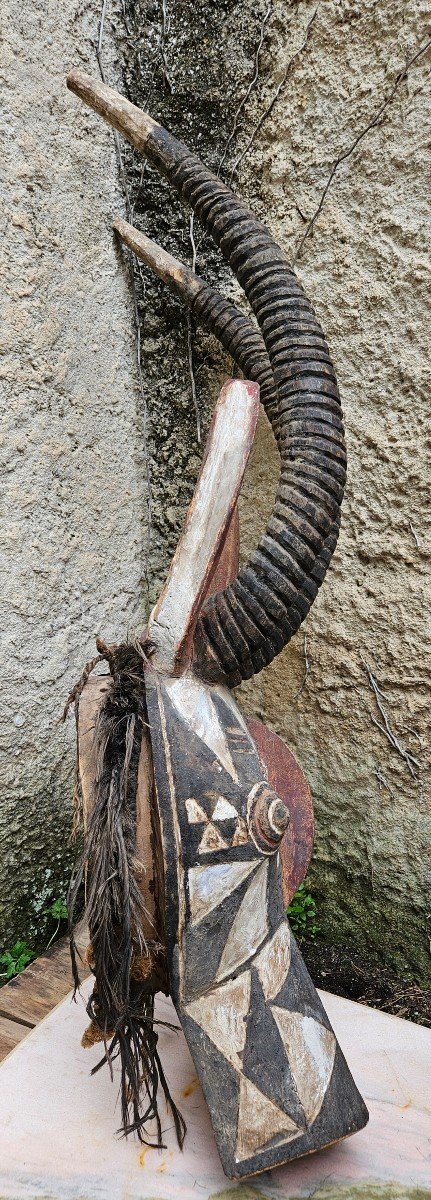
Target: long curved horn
[
  {"x": 274, "y": 591},
  {"x": 244, "y": 342}
]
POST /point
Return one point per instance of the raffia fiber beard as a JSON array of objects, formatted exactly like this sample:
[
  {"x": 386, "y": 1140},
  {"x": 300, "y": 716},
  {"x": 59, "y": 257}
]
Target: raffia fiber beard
[{"x": 128, "y": 969}]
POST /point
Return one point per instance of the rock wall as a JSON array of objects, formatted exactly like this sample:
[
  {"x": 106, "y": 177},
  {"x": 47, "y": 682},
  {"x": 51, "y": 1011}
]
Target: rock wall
[
  {"x": 74, "y": 493},
  {"x": 351, "y": 692}
]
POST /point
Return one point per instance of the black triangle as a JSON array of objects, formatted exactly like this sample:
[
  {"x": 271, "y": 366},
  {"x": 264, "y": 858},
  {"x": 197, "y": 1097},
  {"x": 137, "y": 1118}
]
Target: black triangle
[{"x": 264, "y": 1059}]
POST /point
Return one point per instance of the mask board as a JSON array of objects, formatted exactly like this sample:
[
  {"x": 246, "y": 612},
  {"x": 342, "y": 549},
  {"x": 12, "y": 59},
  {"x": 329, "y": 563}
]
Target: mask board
[{"x": 274, "y": 1078}]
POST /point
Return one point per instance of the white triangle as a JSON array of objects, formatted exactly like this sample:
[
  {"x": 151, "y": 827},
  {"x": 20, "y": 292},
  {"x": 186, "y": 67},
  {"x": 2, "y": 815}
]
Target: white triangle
[
  {"x": 208, "y": 886},
  {"x": 192, "y": 700},
  {"x": 249, "y": 927},
  {"x": 194, "y": 812},
  {"x": 211, "y": 840},
  {"x": 310, "y": 1049},
  {"x": 224, "y": 810},
  {"x": 222, "y": 1014},
  {"x": 259, "y": 1121},
  {"x": 273, "y": 962},
  {"x": 241, "y": 835}
]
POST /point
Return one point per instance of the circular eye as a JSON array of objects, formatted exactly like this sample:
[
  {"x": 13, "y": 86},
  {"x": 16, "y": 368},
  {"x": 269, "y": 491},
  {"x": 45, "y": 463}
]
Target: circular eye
[{"x": 268, "y": 818}]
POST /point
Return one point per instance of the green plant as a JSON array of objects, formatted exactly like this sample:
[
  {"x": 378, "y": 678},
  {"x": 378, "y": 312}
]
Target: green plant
[
  {"x": 20, "y": 954},
  {"x": 15, "y": 959},
  {"x": 58, "y": 911},
  {"x": 302, "y": 914}
]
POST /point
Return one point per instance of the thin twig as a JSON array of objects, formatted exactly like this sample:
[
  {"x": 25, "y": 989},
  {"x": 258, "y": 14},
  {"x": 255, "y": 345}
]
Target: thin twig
[
  {"x": 190, "y": 336},
  {"x": 101, "y": 27},
  {"x": 251, "y": 86},
  {"x": 414, "y": 534},
  {"x": 414, "y": 734},
  {"x": 274, "y": 99},
  {"x": 375, "y": 120},
  {"x": 386, "y": 728},
  {"x": 307, "y": 669},
  {"x": 382, "y": 781},
  {"x": 165, "y": 30},
  {"x": 144, "y": 406}
]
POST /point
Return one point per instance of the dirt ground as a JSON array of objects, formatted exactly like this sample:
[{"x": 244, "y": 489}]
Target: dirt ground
[{"x": 343, "y": 970}]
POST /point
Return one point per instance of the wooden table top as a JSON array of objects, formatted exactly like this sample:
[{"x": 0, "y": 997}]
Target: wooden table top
[{"x": 31, "y": 995}]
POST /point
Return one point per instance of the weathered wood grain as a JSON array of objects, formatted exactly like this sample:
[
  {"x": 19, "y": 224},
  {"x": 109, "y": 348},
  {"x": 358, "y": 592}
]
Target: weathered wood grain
[{"x": 11, "y": 1033}]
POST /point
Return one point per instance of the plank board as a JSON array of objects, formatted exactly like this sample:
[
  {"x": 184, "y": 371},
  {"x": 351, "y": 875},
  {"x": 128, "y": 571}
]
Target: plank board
[
  {"x": 30, "y": 996},
  {"x": 10, "y": 1034}
]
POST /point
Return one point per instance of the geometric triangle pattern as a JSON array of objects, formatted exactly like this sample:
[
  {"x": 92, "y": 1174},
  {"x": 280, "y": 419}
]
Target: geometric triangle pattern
[
  {"x": 222, "y": 1015},
  {"x": 310, "y": 1048},
  {"x": 276, "y": 1083},
  {"x": 224, "y": 810},
  {"x": 263, "y": 1049},
  {"x": 273, "y": 962},
  {"x": 195, "y": 813},
  {"x": 249, "y": 927},
  {"x": 241, "y": 835},
  {"x": 211, "y": 840},
  {"x": 260, "y": 1121},
  {"x": 193, "y": 702},
  {"x": 209, "y": 886}
]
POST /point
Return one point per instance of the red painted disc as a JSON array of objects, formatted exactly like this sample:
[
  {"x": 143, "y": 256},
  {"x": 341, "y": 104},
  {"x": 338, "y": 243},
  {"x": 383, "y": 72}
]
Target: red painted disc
[{"x": 288, "y": 780}]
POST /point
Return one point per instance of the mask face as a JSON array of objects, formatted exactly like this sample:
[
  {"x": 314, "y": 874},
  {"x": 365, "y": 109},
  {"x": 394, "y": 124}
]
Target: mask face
[{"x": 274, "y": 1078}]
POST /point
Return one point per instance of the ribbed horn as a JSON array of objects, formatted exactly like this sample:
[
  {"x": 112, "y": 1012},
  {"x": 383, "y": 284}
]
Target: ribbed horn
[{"x": 244, "y": 627}]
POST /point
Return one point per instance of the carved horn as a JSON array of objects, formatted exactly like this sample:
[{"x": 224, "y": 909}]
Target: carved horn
[{"x": 241, "y": 629}]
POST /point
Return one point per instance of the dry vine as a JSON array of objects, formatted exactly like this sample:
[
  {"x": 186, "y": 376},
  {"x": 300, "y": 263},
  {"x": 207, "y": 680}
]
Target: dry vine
[
  {"x": 279, "y": 88},
  {"x": 415, "y": 536},
  {"x": 250, "y": 89},
  {"x": 385, "y": 728},
  {"x": 375, "y": 120}
]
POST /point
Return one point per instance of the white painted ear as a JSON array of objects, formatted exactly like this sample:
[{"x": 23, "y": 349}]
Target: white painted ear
[{"x": 174, "y": 617}]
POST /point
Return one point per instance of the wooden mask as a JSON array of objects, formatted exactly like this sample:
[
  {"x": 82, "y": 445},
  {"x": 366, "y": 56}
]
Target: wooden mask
[{"x": 198, "y": 823}]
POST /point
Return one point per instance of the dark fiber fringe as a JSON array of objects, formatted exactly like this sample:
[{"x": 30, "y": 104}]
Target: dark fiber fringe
[{"x": 121, "y": 1007}]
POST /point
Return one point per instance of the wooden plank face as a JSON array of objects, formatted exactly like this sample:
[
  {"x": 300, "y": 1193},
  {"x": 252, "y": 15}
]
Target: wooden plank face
[
  {"x": 31, "y": 995},
  {"x": 11, "y": 1033},
  {"x": 275, "y": 1080}
]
